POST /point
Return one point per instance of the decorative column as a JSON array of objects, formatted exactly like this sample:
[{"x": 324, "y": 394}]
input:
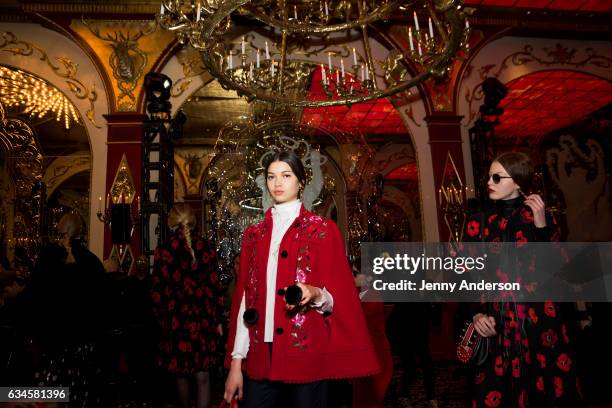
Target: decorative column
[
  {"x": 123, "y": 179},
  {"x": 449, "y": 177},
  {"x": 449, "y": 174}
]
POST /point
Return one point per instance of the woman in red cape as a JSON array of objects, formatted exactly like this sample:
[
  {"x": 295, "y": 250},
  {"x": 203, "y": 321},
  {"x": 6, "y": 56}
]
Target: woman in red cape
[{"x": 275, "y": 348}]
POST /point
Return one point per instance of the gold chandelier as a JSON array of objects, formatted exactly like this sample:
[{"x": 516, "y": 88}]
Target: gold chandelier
[
  {"x": 35, "y": 96},
  {"x": 327, "y": 41}
]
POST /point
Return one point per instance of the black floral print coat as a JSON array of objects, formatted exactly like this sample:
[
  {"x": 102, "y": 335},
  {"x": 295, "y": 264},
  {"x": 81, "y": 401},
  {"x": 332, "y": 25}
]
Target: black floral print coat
[
  {"x": 188, "y": 304},
  {"x": 530, "y": 363}
]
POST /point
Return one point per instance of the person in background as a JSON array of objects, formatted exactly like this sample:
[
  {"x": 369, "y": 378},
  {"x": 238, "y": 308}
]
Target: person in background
[{"x": 188, "y": 304}]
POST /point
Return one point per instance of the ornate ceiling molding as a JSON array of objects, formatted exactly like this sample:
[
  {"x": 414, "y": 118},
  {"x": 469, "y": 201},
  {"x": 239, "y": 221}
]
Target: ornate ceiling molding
[
  {"x": 127, "y": 49},
  {"x": 66, "y": 69}
]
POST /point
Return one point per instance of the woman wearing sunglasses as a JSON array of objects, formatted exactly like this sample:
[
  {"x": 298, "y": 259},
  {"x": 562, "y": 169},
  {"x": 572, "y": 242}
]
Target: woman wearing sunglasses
[{"x": 529, "y": 363}]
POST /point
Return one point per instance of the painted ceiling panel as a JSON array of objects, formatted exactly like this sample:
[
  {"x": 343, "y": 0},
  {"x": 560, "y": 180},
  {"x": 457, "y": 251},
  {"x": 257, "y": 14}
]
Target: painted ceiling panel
[
  {"x": 374, "y": 117},
  {"x": 545, "y": 101}
]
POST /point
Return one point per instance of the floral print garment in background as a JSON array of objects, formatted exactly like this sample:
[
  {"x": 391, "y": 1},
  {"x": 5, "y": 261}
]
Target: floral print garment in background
[
  {"x": 188, "y": 303},
  {"x": 530, "y": 362}
]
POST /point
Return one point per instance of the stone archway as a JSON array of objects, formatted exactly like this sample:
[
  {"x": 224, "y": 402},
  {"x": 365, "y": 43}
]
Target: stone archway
[{"x": 50, "y": 55}]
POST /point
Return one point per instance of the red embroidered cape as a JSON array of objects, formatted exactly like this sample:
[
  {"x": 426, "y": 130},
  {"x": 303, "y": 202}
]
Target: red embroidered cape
[{"x": 308, "y": 346}]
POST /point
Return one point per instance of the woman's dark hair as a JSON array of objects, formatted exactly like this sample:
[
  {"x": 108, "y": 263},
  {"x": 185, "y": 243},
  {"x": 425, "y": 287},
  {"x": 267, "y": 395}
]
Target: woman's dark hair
[
  {"x": 289, "y": 157},
  {"x": 520, "y": 167}
]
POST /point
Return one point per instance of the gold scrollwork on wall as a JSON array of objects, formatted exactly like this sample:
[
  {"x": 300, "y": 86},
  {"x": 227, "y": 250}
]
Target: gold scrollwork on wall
[
  {"x": 66, "y": 69},
  {"x": 192, "y": 64}
]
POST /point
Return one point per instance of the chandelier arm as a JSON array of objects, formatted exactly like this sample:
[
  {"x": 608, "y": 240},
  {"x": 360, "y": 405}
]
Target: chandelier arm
[
  {"x": 312, "y": 29},
  {"x": 283, "y": 56},
  {"x": 436, "y": 22}
]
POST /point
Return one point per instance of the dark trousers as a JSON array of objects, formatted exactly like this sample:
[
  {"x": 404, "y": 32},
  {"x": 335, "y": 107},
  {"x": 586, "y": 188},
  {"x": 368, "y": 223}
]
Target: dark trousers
[{"x": 273, "y": 394}]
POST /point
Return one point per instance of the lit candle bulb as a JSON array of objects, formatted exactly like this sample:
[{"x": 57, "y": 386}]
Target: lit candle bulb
[
  {"x": 323, "y": 78},
  {"x": 342, "y": 67},
  {"x": 251, "y": 70},
  {"x": 440, "y": 195},
  {"x": 198, "y": 11},
  {"x": 467, "y": 23},
  {"x": 162, "y": 9},
  {"x": 258, "y": 58},
  {"x": 329, "y": 61},
  {"x": 337, "y": 77},
  {"x": 416, "y": 22},
  {"x": 326, "y": 9},
  {"x": 295, "y": 12},
  {"x": 354, "y": 57},
  {"x": 272, "y": 67},
  {"x": 267, "y": 51},
  {"x": 362, "y": 72},
  {"x": 107, "y": 200},
  {"x": 367, "y": 72},
  {"x": 100, "y": 204},
  {"x": 242, "y": 46},
  {"x": 419, "y": 48},
  {"x": 138, "y": 204},
  {"x": 431, "y": 29},
  {"x": 230, "y": 62},
  {"x": 410, "y": 38}
]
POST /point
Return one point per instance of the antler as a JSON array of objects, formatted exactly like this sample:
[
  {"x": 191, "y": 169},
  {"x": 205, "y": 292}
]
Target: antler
[{"x": 96, "y": 31}]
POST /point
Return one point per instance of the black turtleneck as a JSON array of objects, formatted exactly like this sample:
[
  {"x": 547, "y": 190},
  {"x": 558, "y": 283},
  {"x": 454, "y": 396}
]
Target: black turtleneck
[{"x": 510, "y": 204}]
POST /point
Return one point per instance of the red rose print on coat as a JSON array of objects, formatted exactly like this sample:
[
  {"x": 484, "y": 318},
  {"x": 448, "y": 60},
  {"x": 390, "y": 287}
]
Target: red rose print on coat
[
  {"x": 480, "y": 377},
  {"x": 499, "y": 366},
  {"x": 564, "y": 362},
  {"x": 549, "y": 338},
  {"x": 564, "y": 333},
  {"x": 541, "y": 359},
  {"x": 503, "y": 223},
  {"x": 549, "y": 309},
  {"x": 516, "y": 367},
  {"x": 522, "y": 402},
  {"x": 473, "y": 228},
  {"x": 540, "y": 384},
  {"x": 493, "y": 399},
  {"x": 526, "y": 216},
  {"x": 558, "y": 387},
  {"x": 521, "y": 239},
  {"x": 172, "y": 365},
  {"x": 533, "y": 315}
]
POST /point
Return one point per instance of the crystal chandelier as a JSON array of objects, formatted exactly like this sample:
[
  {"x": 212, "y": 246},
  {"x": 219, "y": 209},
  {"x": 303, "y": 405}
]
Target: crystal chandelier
[{"x": 325, "y": 41}]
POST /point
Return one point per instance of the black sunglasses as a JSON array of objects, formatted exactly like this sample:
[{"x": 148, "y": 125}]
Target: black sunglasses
[{"x": 496, "y": 178}]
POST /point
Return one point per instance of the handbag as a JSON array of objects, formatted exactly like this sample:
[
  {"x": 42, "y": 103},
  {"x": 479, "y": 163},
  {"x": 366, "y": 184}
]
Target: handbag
[{"x": 472, "y": 347}]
